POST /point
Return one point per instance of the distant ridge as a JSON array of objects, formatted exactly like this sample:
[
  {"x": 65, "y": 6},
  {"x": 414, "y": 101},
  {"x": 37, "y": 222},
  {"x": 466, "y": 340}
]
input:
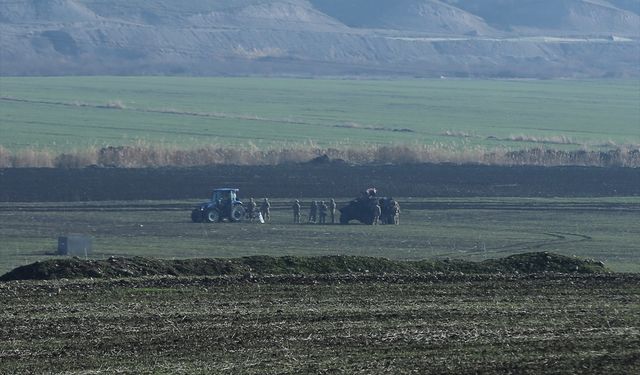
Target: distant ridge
[{"x": 430, "y": 38}]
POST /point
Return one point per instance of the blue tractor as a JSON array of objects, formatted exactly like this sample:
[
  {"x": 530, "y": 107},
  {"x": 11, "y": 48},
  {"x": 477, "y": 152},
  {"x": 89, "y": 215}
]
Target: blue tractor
[{"x": 223, "y": 206}]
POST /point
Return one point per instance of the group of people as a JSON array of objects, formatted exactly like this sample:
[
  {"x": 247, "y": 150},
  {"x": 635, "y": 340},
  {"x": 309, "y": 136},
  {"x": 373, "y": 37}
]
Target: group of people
[
  {"x": 323, "y": 213},
  {"x": 317, "y": 213},
  {"x": 389, "y": 215},
  {"x": 264, "y": 212},
  {"x": 385, "y": 211}
]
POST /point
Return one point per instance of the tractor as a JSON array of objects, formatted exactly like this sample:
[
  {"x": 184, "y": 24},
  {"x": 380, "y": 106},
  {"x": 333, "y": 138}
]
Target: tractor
[{"x": 223, "y": 206}]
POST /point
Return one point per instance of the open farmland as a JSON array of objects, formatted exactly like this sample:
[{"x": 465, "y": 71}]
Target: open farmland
[
  {"x": 63, "y": 114},
  {"x": 353, "y": 321},
  {"x": 357, "y": 321},
  {"x": 468, "y": 212},
  {"x": 346, "y": 324},
  {"x": 466, "y": 228}
]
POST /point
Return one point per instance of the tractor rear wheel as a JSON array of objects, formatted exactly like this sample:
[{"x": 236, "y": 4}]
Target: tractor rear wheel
[
  {"x": 212, "y": 216},
  {"x": 237, "y": 213}
]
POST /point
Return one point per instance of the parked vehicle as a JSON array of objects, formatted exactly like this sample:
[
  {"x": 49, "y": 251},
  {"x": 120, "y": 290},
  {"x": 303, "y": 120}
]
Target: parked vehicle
[{"x": 223, "y": 206}]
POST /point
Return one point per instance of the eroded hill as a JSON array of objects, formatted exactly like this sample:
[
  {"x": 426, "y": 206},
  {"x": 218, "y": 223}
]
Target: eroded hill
[{"x": 551, "y": 38}]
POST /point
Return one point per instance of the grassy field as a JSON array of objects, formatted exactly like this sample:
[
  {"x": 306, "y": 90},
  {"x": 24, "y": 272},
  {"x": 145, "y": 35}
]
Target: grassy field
[
  {"x": 474, "y": 229},
  {"x": 72, "y": 113}
]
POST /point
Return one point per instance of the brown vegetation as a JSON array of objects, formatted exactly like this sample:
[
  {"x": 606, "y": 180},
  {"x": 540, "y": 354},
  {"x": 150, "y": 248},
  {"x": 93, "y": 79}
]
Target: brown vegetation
[{"x": 143, "y": 156}]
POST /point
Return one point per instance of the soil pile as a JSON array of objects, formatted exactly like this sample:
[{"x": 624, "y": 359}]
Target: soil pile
[
  {"x": 115, "y": 267},
  {"x": 543, "y": 262}
]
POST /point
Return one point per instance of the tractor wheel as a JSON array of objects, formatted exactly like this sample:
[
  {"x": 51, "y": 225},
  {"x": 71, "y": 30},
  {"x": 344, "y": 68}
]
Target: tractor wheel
[
  {"x": 238, "y": 213},
  {"x": 196, "y": 216},
  {"x": 212, "y": 216}
]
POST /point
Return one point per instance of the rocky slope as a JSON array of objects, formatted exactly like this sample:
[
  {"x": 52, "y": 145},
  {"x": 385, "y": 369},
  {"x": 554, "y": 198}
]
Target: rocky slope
[{"x": 512, "y": 38}]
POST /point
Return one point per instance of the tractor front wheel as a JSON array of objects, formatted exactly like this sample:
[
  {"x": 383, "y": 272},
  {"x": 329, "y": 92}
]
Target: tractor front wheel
[{"x": 212, "y": 216}]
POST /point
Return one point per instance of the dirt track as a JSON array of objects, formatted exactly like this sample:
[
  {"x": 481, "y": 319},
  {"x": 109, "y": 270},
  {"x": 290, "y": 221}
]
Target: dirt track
[{"x": 308, "y": 180}]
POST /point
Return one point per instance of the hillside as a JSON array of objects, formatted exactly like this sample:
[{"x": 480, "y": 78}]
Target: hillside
[
  {"x": 428, "y": 16},
  {"x": 549, "y": 38},
  {"x": 558, "y": 17}
]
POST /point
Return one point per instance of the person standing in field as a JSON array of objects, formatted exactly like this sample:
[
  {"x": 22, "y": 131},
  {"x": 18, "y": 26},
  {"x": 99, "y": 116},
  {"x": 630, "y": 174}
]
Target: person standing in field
[
  {"x": 332, "y": 210},
  {"x": 313, "y": 212},
  {"x": 265, "y": 210},
  {"x": 251, "y": 209},
  {"x": 376, "y": 213},
  {"x": 296, "y": 212},
  {"x": 395, "y": 212},
  {"x": 322, "y": 212}
]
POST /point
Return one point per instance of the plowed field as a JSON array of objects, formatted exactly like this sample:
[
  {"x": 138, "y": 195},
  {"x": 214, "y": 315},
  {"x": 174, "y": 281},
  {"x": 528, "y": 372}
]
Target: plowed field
[
  {"x": 333, "y": 324},
  {"x": 316, "y": 180}
]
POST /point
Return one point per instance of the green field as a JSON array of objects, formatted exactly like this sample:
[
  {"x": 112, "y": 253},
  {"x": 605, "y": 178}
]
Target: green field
[
  {"x": 601, "y": 228},
  {"x": 73, "y": 113},
  {"x": 357, "y": 322}
]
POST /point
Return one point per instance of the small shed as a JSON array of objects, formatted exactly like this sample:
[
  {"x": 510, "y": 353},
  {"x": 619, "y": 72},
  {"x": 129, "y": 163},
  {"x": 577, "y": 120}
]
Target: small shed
[{"x": 75, "y": 245}]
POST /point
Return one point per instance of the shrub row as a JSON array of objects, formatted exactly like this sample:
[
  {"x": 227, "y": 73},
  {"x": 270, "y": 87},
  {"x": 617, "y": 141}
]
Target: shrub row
[{"x": 143, "y": 156}]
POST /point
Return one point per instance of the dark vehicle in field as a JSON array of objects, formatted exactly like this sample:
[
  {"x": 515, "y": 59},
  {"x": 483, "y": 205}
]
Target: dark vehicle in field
[
  {"x": 362, "y": 209},
  {"x": 223, "y": 206}
]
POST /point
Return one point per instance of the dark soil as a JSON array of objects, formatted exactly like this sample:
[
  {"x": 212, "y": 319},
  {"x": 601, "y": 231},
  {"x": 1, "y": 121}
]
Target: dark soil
[
  {"x": 358, "y": 323},
  {"x": 75, "y": 268},
  {"x": 315, "y": 179}
]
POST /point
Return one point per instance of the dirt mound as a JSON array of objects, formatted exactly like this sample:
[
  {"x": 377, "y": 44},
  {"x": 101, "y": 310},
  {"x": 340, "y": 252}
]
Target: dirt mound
[
  {"x": 544, "y": 262},
  {"x": 114, "y": 267},
  {"x": 76, "y": 268}
]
